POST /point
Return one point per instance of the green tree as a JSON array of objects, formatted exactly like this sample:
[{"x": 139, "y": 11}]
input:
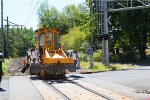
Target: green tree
[
  {"x": 18, "y": 41},
  {"x": 74, "y": 39}
]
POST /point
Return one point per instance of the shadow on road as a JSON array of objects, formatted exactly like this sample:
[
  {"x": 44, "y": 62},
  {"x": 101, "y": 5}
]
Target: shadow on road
[
  {"x": 75, "y": 76},
  {"x": 2, "y": 90},
  {"x": 34, "y": 78},
  {"x": 57, "y": 80}
]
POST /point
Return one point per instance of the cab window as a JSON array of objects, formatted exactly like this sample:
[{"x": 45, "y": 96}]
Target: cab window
[
  {"x": 41, "y": 38},
  {"x": 49, "y": 38}
]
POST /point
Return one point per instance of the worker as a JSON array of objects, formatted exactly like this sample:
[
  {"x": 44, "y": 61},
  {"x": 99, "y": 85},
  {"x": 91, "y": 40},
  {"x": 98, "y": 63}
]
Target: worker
[{"x": 76, "y": 58}]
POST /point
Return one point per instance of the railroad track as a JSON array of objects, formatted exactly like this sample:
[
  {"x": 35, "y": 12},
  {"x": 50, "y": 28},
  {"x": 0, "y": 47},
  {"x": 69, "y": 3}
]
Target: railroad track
[
  {"x": 65, "y": 97},
  {"x": 58, "y": 85},
  {"x": 91, "y": 90}
]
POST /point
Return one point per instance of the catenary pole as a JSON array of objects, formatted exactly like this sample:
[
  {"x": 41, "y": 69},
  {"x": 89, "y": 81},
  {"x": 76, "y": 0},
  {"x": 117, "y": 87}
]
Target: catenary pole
[{"x": 2, "y": 32}]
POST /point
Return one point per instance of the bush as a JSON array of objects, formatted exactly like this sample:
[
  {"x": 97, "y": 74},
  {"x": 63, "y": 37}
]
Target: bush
[
  {"x": 97, "y": 56},
  {"x": 83, "y": 56},
  {"x": 98, "y": 66},
  {"x": 74, "y": 39},
  {"x": 5, "y": 66},
  {"x": 124, "y": 57}
]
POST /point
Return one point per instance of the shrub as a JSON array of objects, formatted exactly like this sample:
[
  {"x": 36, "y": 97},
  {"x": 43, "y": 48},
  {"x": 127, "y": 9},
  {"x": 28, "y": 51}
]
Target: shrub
[
  {"x": 123, "y": 57},
  {"x": 74, "y": 39},
  {"x": 97, "y": 56},
  {"x": 83, "y": 56}
]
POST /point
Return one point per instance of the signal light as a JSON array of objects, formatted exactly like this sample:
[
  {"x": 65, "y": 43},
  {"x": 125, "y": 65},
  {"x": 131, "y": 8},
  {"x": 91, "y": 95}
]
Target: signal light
[
  {"x": 100, "y": 37},
  {"x": 105, "y": 36}
]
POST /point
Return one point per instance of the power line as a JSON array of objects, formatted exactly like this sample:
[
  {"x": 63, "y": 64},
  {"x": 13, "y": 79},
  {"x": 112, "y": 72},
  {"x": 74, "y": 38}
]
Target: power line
[
  {"x": 32, "y": 13},
  {"x": 29, "y": 10}
]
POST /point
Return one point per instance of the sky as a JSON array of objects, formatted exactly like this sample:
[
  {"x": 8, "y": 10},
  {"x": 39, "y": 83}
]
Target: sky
[{"x": 24, "y": 12}]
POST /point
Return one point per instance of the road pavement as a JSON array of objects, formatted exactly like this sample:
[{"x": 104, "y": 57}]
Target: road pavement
[
  {"x": 4, "y": 89},
  {"x": 134, "y": 83}
]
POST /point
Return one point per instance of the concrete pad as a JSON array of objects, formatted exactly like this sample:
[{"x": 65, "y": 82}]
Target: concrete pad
[
  {"x": 4, "y": 89},
  {"x": 21, "y": 88}
]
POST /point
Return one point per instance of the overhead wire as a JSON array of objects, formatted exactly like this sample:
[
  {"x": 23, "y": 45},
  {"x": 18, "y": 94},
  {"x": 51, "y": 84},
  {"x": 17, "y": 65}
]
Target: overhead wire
[
  {"x": 29, "y": 10},
  {"x": 32, "y": 12}
]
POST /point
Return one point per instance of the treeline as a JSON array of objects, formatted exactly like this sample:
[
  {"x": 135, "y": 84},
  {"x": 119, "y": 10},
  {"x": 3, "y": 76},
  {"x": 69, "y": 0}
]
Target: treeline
[
  {"x": 73, "y": 21},
  {"x": 17, "y": 41},
  {"x": 130, "y": 30}
]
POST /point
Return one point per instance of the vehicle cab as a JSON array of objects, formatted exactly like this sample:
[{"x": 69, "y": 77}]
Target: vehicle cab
[{"x": 47, "y": 38}]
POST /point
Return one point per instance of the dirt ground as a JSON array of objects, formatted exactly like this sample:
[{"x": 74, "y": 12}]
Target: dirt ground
[{"x": 16, "y": 65}]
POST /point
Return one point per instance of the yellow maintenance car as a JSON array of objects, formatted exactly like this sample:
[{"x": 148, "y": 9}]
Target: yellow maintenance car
[{"x": 48, "y": 59}]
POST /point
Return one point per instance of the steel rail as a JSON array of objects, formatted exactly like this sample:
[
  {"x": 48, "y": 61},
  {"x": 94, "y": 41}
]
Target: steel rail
[
  {"x": 91, "y": 90},
  {"x": 56, "y": 90}
]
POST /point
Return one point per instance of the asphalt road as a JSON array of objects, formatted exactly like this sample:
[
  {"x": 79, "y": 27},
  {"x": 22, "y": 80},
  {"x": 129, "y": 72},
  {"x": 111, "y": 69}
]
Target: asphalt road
[{"x": 134, "y": 83}]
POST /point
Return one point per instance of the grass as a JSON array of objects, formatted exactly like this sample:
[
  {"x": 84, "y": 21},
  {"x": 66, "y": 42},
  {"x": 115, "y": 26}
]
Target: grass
[
  {"x": 98, "y": 66},
  {"x": 5, "y": 66}
]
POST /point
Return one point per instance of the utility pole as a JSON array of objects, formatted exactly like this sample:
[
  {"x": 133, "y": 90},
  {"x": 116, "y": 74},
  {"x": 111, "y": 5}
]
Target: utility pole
[
  {"x": 104, "y": 31},
  {"x": 7, "y": 28},
  {"x": 102, "y": 28},
  {"x": 2, "y": 32},
  {"x": 6, "y": 39}
]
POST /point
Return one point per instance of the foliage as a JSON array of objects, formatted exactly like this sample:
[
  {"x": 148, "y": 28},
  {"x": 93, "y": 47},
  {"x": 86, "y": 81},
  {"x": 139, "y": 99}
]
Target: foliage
[
  {"x": 97, "y": 56},
  {"x": 5, "y": 66},
  {"x": 17, "y": 42},
  {"x": 98, "y": 66},
  {"x": 70, "y": 16},
  {"x": 124, "y": 57},
  {"x": 128, "y": 27},
  {"x": 82, "y": 56},
  {"x": 74, "y": 39}
]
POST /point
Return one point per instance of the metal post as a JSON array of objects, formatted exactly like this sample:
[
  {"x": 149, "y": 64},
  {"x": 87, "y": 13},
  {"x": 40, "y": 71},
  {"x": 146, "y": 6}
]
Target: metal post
[
  {"x": 91, "y": 58},
  {"x": 7, "y": 30},
  {"x": 2, "y": 32},
  {"x": 13, "y": 43},
  {"x": 104, "y": 31},
  {"x": 18, "y": 40},
  {"x": 7, "y": 38},
  {"x": 26, "y": 32}
]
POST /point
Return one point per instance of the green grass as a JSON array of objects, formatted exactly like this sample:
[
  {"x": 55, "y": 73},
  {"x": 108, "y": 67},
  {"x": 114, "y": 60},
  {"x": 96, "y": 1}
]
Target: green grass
[
  {"x": 147, "y": 53},
  {"x": 5, "y": 66},
  {"x": 98, "y": 66}
]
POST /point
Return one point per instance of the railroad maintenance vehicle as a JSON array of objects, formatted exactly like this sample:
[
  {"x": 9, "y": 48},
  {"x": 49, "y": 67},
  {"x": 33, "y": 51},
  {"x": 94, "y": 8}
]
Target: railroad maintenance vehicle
[{"x": 48, "y": 60}]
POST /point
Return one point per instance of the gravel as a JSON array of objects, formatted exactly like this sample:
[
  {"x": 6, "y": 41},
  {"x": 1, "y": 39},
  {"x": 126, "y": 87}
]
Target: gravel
[{"x": 16, "y": 65}]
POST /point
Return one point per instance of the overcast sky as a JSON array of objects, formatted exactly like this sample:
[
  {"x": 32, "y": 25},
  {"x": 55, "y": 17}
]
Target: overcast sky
[{"x": 24, "y": 12}]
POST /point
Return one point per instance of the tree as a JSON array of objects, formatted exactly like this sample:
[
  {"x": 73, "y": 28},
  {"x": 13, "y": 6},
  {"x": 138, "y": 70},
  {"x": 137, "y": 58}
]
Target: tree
[
  {"x": 133, "y": 29},
  {"x": 18, "y": 41},
  {"x": 136, "y": 28},
  {"x": 74, "y": 39}
]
